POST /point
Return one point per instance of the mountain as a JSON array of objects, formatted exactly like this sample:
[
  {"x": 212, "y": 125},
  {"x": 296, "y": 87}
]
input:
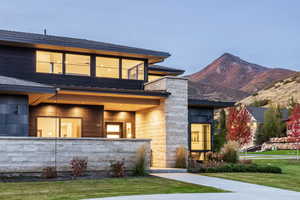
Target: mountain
[
  {"x": 216, "y": 93},
  {"x": 279, "y": 93},
  {"x": 234, "y": 78}
]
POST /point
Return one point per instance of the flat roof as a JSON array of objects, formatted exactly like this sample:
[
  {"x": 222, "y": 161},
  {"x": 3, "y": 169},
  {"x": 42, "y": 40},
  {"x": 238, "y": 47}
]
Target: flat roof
[
  {"x": 209, "y": 103},
  {"x": 74, "y": 44},
  {"x": 159, "y": 69},
  {"x": 9, "y": 84}
]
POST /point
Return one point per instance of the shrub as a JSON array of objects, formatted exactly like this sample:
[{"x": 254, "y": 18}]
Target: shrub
[
  {"x": 211, "y": 156},
  {"x": 246, "y": 162},
  {"x": 118, "y": 169},
  {"x": 229, "y": 168},
  {"x": 180, "y": 157},
  {"x": 260, "y": 103},
  {"x": 140, "y": 165},
  {"x": 230, "y": 152},
  {"x": 78, "y": 166},
  {"x": 49, "y": 172}
]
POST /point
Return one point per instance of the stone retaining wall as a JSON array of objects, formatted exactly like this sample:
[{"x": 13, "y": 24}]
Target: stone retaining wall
[
  {"x": 280, "y": 146},
  {"x": 25, "y": 154}
]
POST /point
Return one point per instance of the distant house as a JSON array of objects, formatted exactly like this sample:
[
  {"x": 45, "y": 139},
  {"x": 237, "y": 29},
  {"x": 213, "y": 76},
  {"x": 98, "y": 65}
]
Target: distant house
[{"x": 257, "y": 118}]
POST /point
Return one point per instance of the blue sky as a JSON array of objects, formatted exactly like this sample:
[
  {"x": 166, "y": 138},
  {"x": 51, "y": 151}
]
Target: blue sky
[{"x": 195, "y": 32}]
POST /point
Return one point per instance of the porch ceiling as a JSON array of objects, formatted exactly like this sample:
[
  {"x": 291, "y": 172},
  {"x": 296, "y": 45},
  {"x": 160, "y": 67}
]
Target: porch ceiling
[{"x": 109, "y": 101}]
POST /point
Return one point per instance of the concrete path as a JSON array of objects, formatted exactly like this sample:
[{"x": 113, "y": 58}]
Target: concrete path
[{"x": 240, "y": 190}]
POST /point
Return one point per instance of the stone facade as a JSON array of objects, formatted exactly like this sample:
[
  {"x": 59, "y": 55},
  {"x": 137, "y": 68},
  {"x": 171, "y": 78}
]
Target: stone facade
[
  {"x": 167, "y": 124},
  {"x": 13, "y": 115},
  {"x": 25, "y": 154}
]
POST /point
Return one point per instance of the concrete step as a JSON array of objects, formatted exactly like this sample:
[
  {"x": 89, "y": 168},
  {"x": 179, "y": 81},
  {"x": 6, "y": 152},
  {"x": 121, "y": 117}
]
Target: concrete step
[{"x": 167, "y": 170}]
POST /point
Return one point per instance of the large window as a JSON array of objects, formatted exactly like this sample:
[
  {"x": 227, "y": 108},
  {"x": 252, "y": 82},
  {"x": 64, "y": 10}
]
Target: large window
[
  {"x": 49, "y": 62},
  {"x": 78, "y": 64},
  {"x": 200, "y": 137},
  {"x": 133, "y": 69},
  {"x": 58, "y": 127},
  {"x": 107, "y": 67}
]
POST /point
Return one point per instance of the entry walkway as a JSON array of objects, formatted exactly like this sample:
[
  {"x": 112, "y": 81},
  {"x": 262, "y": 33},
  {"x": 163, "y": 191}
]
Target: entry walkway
[{"x": 239, "y": 190}]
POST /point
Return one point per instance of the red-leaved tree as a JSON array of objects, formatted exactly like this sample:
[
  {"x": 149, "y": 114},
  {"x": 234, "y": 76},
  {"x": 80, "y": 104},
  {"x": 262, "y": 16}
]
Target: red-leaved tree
[
  {"x": 238, "y": 125},
  {"x": 294, "y": 122}
]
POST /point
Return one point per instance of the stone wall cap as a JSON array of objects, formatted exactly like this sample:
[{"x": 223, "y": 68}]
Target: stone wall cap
[{"x": 75, "y": 139}]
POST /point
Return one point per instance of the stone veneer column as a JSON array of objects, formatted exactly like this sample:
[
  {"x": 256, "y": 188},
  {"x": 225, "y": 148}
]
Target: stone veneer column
[{"x": 166, "y": 124}]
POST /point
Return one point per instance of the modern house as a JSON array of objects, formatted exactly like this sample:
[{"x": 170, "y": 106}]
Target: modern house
[
  {"x": 60, "y": 87},
  {"x": 257, "y": 116}
]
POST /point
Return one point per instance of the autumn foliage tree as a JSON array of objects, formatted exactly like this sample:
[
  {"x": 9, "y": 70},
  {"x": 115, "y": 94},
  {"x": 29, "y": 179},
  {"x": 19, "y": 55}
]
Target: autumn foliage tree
[
  {"x": 238, "y": 128},
  {"x": 294, "y": 121}
]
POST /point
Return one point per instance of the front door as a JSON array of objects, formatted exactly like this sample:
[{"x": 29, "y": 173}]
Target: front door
[{"x": 114, "y": 129}]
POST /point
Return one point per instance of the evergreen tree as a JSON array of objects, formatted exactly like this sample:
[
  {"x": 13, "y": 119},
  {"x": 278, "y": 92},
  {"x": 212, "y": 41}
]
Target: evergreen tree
[
  {"x": 220, "y": 134},
  {"x": 273, "y": 125}
]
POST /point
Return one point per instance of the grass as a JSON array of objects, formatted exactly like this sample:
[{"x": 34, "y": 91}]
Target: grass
[
  {"x": 289, "y": 179},
  {"x": 275, "y": 152},
  {"x": 82, "y": 189}
]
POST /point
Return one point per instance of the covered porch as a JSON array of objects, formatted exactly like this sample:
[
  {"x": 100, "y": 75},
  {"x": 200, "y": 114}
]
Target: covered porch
[{"x": 95, "y": 113}]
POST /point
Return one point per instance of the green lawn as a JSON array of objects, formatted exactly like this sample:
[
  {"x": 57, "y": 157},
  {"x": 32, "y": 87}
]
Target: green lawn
[
  {"x": 290, "y": 179},
  {"x": 277, "y": 152},
  {"x": 80, "y": 189}
]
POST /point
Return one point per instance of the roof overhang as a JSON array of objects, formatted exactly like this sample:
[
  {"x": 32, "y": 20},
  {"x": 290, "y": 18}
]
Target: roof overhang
[
  {"x": 35, "y": 95},
  {"x": 110, "y": 100},
  {"x": 209, "y": 103},
  {"x": 152, "y": 58},
  {"x": 164, "y": 71}
]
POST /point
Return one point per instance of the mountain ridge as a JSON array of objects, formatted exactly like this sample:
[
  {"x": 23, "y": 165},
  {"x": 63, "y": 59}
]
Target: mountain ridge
[{"x": 234, "y": 76}]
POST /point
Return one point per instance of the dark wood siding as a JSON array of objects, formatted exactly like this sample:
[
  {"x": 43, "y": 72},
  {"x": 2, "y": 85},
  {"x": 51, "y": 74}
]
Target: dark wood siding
[
  {"x": 92, "y": 117},
  {"x": 20, "y": 63}
]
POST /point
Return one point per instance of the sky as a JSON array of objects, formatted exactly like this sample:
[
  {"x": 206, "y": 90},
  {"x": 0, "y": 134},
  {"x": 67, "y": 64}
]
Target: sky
[{"x": 194, "y": 32}]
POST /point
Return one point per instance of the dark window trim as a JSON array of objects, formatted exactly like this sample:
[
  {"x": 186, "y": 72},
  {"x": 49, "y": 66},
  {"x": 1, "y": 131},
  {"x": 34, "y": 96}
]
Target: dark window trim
[{"x": 93, "y": 66}]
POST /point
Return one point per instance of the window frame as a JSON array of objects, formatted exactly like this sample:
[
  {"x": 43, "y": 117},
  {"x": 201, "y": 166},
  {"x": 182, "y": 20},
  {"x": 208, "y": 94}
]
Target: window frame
[
  {"x": 92, "y": 64},
  {"x": 190, "y": 136},
  {"x": 59, "y": 124},
  {"x": 74, "y": 74},
  {"x": 36, "y": 61}
]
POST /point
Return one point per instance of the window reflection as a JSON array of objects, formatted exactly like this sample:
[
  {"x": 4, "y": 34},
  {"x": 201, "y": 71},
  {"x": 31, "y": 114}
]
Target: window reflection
[
  {"x": 77, "y": 64},
  {"x": 48, "y": 62},
  {"x": 107, "y": 67},
  {"x": 200, "y": 136},
  {"x": 133, "y": 69}
]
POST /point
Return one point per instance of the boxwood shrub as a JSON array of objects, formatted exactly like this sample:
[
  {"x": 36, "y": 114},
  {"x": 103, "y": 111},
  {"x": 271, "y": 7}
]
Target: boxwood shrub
[{"x": 240, "y": 168}]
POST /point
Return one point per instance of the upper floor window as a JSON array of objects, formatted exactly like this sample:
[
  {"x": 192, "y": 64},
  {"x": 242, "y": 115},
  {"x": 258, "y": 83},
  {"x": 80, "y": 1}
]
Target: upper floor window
[
  {"x": 107, "y": 67},
  {"x": 133, "y": 69},
  {"x": 49, "y": 62},
  {"x": 78, "y": 64}
]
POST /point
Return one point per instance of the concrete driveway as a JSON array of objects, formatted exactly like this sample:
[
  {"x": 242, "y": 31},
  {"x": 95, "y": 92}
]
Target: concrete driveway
[{"x": 240, "y": 190}]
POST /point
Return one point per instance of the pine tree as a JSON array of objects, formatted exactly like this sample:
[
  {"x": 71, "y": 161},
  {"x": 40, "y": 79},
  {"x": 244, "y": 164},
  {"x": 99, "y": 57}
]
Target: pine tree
[
  {"x": 273, "y": 124},
  {"x": 220, "y": 134}
]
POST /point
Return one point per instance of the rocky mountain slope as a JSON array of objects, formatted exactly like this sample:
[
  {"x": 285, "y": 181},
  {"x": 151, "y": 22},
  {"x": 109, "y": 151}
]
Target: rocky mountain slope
[
  {"x": 231, "y": 78},
  {"x": 278, "y": 93}
]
